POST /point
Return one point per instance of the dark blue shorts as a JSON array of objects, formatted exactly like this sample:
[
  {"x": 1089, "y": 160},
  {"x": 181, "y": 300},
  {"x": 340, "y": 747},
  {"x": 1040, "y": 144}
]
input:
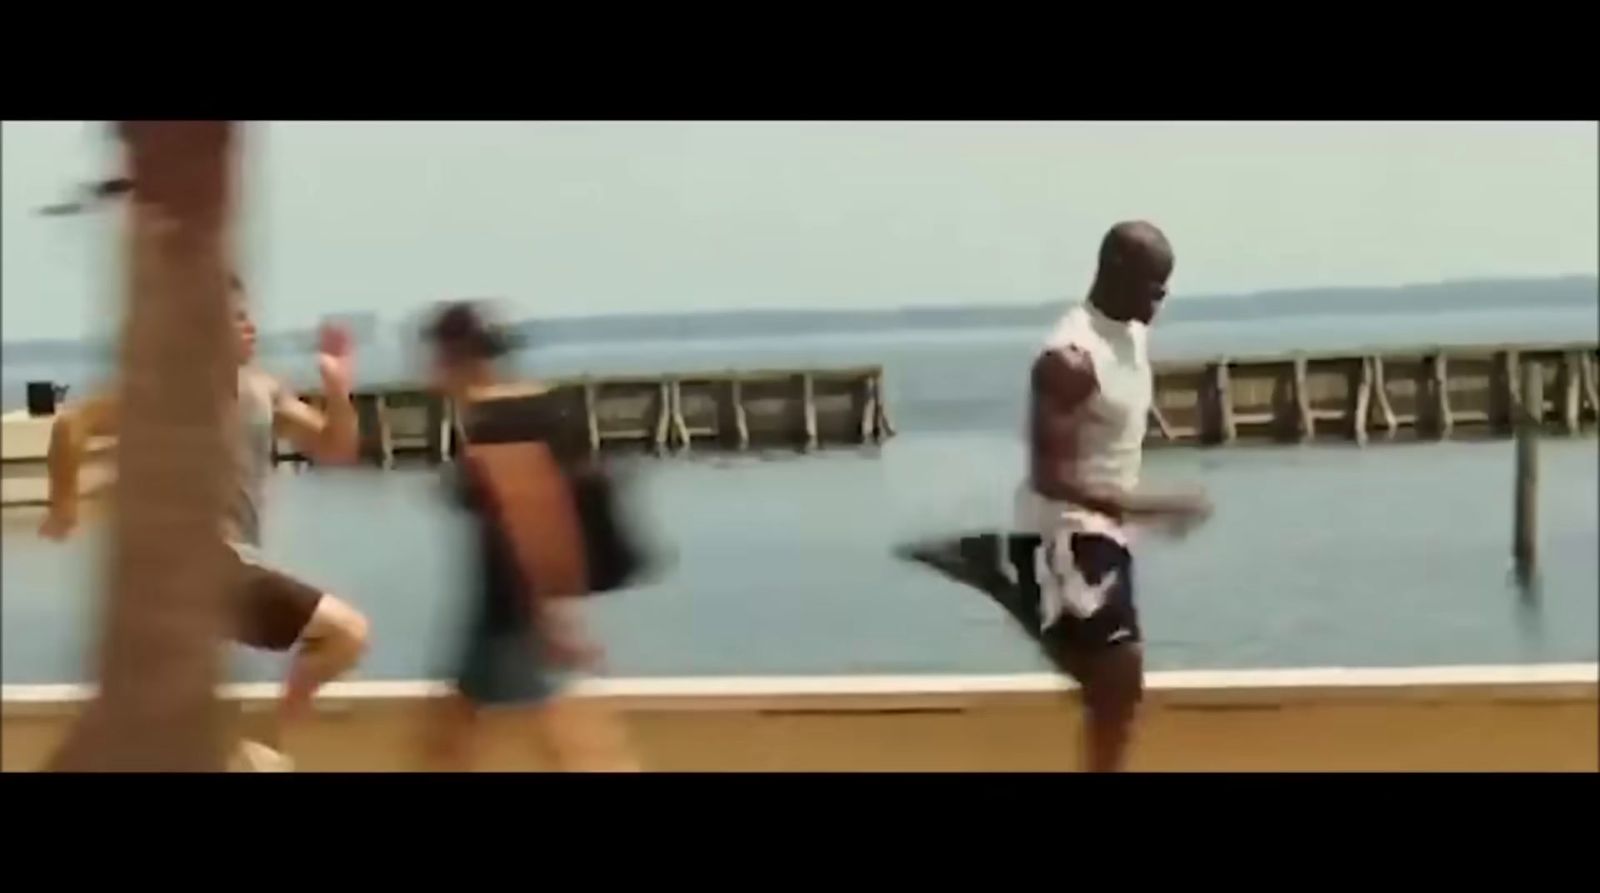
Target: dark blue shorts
[{"x": 506, "y": 668}]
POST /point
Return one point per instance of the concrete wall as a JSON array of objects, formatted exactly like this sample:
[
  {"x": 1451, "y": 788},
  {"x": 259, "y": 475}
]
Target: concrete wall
[{"x": 1537, "y": 718}]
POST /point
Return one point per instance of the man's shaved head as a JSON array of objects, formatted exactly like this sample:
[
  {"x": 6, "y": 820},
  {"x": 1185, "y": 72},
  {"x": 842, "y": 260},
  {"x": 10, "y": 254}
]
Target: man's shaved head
[
  {"x": 1135, "y": 262},
  {"x": 1135, "y": 242}
]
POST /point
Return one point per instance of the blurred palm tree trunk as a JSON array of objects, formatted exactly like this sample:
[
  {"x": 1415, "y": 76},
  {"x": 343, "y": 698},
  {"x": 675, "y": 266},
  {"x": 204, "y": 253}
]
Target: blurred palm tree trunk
[{"x": 163, "y": 614}]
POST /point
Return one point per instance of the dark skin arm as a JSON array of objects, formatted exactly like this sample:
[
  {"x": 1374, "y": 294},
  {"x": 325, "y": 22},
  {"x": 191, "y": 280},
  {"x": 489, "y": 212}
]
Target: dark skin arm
[{"x": 1063, "y": 383}]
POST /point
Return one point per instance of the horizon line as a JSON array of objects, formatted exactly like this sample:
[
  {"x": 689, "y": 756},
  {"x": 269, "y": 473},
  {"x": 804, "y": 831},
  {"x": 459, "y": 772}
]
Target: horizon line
[{"x": 383, "y": 320}]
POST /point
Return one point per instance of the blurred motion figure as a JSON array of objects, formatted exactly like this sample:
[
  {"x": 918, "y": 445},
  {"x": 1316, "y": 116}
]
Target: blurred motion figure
[
  {"x": 547, "y": 532},
  {"x": 272, "y": 609}
]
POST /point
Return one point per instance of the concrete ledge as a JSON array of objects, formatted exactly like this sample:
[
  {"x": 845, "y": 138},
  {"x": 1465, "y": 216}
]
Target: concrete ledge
[
  {"x": 1465, "y": 719},
  {"x": 1533, "y": 682}
]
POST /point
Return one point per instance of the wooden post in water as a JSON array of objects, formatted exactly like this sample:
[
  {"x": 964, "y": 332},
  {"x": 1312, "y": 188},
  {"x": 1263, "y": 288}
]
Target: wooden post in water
[
  {"x": 680, "y": 425},
  {"x": 163, "y": 614},
  {"x": 1216, "y": 406},
  {"x": 869, "y": 409},
  {"x": 1503, "y": 393},
  {"x": 1305, "y": 420},
  {"x": 885, "y": 426},
  {"x": 1586, "y": 373},
  {"x": 1380, "y": 391},
  {"x": 741, "y": 422},
  {"x": 1571, "y": 391},
  {"x": 663, "y": 419},
  {"x": 380, "y": 406},
  {"x": 1360, "y": 413},
  {"x": 1441, "y": 419},
  {"x": 437, "y": 410},
  {"x": 808, "y": 400},
  {"x": 591, "y": 414},
  {"x": 1525, "y": 532},
  {"x": 369, "y": 428}
]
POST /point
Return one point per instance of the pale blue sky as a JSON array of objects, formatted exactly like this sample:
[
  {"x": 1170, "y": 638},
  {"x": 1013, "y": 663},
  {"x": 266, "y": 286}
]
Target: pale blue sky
[{"x": 570, "y": 218}]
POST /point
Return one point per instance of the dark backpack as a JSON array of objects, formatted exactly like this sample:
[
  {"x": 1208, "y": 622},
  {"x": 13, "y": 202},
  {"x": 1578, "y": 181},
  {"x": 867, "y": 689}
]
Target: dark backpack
[{"x": 557, "y": 507}]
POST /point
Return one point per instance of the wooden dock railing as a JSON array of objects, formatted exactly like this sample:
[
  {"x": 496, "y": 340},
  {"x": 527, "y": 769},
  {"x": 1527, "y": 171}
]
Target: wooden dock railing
[
  {"x": 1427, "y": 393},
  {"x": 804, "y": 409}
]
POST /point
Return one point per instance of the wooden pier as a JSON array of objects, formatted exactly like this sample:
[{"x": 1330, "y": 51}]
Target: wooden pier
[
  {"x": 803, "y": 410},
  {"x": 1351, "y": 396},
  {"x": 1418, "y": 394}
]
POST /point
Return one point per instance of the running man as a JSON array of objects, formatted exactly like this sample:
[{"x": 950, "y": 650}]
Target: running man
[
  {"x": 1067, "y": 574},
  {"x": 274, "y": 611}
]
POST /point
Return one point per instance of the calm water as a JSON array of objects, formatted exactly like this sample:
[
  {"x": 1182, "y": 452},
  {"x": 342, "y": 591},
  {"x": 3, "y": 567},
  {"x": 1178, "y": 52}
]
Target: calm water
[{"x": 1394, "y": 555}]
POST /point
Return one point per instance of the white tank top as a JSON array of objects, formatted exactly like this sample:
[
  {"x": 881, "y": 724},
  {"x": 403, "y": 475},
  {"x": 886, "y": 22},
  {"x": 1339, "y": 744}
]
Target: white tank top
[
  {"x": 252, "y": 460},
  {"x": 1111, "y": 436}
]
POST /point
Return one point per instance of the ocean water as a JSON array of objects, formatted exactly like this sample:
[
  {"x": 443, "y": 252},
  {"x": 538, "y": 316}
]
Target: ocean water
[{"x": 1326, "y": 555}]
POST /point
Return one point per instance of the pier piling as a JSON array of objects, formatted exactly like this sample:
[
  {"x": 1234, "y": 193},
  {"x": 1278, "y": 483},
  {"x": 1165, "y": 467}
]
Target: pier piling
[
  {"x": 591, "y": 414},
  {"x": 375, "y": 447},
  {"x": 1361, "y": 409},
  {"x": 1571, "y": 390},
  {"x": 1525, "y": 531},
  {"x": 1216, "y": 405},
  {"x": 808, "y": 403},
  {"x": 1587, "y": 373},
  {"x": 1442, "y": 421},
  {"x": 680, "y": 427},
  {"x": 1380, "y": 386},
  {"x": 740, "y": 421},
  {"x": 1306, "y": 429},
  {"x": 663, "y": 428},
  {"x": 1503, "y": 398}
]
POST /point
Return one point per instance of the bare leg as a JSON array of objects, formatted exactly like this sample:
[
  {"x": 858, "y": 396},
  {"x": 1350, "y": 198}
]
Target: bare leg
[
  {"x": 452, "y": 735},
  {"x": 1113, "y": 684},
  {"x": 580, "y": 735},
  {"x": 331, "y": 644}
]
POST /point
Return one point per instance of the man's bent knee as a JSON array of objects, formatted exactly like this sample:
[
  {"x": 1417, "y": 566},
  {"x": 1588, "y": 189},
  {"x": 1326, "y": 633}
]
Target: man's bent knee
[{"x": 336, "y": 626}]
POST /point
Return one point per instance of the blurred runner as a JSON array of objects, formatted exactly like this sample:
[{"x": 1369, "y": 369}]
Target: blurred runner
[
  {"x": 547, "y": 534},
  {"x": 274, "y": 610}
]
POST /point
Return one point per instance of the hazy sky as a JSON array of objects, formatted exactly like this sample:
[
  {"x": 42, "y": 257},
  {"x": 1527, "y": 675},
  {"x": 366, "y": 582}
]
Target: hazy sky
[{"x": 570, "y": 218}]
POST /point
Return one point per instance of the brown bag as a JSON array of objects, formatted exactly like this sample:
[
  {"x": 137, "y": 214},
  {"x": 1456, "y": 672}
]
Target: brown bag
[
  {"x": 528, "y": 494},
  {"x": 557, "y": 506}
]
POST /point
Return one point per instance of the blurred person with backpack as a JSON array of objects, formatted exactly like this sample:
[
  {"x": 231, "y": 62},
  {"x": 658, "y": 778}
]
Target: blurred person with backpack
[{"x": 547, "y": 533}]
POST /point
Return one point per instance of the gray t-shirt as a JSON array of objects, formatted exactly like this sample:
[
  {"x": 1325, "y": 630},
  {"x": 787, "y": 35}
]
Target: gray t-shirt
[{"x": 259, "y": 397}]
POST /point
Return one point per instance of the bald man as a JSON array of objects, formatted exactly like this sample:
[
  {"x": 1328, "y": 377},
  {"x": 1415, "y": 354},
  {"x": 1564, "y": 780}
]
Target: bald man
[
  {"x": 1091, "y": 395},
  {"x": 1065, "y": 572}
]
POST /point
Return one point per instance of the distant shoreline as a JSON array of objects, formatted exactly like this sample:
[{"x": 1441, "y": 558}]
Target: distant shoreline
[
  {"x": 1453, "y": 297},
  {"x": 1457, "y": 297}
]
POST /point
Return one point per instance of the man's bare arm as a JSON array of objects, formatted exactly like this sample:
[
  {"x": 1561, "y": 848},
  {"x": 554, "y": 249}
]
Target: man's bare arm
[
  {"x": 1063, "y": 383},
  {"x": 333, "y": 435},
  {"x": 329, "y": 438},
  {"x": 70, "y": 433}
]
